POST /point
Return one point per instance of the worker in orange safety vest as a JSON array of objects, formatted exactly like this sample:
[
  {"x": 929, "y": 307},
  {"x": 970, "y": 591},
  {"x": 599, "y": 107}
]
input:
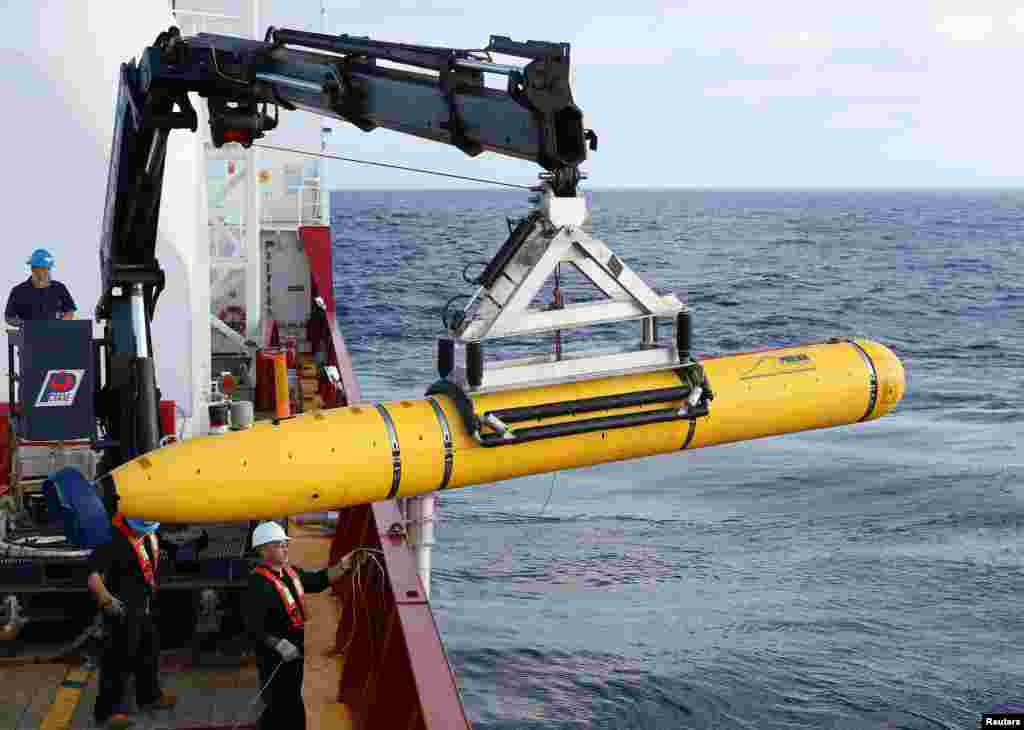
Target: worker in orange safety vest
[
  {"x": 122, "y": 576},
  {"x": 275, "y": 615}
]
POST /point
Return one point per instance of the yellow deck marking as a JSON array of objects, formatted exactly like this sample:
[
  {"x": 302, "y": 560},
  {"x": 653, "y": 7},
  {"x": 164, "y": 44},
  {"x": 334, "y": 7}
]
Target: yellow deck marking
[{"x": 66, "y": 700}]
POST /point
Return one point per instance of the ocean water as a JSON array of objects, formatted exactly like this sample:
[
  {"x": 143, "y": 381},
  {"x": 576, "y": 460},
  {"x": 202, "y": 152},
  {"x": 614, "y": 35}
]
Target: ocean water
[{"x": 860, "y": 577}]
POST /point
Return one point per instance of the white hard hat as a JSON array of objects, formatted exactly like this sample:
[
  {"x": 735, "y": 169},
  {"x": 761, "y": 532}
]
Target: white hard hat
[{"x": 268, "y": 532}]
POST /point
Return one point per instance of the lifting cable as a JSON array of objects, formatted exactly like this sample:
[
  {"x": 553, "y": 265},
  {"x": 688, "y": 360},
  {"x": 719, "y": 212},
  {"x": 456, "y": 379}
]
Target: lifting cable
[
  {"x": 544, "y": 509},
  {"x": 326, "y": 156}
]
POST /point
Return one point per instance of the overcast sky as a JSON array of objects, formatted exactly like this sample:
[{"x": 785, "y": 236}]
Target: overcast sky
[
  {"x": 731, "y": 93},
  {"x": 723, "y": 94},
  {"x": 741, "y": 93}
]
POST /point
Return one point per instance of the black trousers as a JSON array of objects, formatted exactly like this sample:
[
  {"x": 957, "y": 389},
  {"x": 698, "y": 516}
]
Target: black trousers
[
  {"x": 133, "y": 647},
  {"x": 283, "y": 696}
]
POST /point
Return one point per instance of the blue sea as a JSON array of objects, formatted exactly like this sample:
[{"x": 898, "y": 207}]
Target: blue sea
[{"x": 863, "y": 577}]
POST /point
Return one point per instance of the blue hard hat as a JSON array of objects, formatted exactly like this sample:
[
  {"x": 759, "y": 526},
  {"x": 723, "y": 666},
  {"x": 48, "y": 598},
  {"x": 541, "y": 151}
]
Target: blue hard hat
[
  {"x": 142, "y": 526},
  {"x": 41, "y": 258}
]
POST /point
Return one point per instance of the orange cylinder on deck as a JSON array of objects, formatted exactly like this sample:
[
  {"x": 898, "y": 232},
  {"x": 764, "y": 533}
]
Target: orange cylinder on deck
[
  {"x": 167, "y": 418},
  {"x": 265, "y": 380},
  {"x": 282, "y": 403},
  {"x": 5, "y": 445}
]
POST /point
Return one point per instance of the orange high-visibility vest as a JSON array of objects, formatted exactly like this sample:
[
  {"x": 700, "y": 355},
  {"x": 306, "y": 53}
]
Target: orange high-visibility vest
[
  {"x": 147, "y": 566},
  {"x": 295, "y": 606}
]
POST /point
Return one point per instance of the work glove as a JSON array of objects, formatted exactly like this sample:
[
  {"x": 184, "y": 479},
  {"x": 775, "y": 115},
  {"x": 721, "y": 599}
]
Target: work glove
[
  {"x": 114, "y": 608},
  {"x": 347, "y": 563},
  {"x": 287, "y": 650}
]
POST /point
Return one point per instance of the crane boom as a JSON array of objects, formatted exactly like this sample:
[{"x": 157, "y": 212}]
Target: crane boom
[{"x": 428, "y": 92}]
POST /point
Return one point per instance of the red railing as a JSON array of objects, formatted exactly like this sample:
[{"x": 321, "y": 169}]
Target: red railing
[
  {"x": 316, "y": 241},
  {"x": 396, "y": 672}
]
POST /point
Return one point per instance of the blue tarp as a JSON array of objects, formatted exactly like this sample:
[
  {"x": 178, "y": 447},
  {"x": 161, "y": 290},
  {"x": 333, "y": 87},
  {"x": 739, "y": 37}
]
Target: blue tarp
[{"x": 72, "y": 498}]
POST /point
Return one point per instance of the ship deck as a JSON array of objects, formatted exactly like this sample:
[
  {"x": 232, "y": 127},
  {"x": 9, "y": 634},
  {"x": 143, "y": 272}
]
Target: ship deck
[{"x": 52, "y": 696}]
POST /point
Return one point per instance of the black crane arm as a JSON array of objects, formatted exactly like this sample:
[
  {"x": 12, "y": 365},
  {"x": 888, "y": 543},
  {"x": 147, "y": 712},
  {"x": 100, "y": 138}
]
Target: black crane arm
[
  {"x": 433, "y": 93},
  {"x": 444, "y": 100}
]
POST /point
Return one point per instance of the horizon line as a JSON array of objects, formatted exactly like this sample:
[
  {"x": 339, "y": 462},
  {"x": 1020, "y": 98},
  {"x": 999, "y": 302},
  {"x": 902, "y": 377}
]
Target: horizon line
[{"x": 706, "y": 188}]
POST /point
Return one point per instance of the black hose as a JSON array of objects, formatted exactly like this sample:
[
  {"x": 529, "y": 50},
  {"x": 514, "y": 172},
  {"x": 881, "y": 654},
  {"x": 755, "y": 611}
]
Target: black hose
[{"x": 481, "y": 262}]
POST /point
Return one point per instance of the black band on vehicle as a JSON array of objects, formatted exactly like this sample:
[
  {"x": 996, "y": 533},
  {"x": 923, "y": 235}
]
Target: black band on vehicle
[
  {"x": 396, "y": 451},
  {"x": 446, "y": 441},
  {"x": 872, "y": 381}
]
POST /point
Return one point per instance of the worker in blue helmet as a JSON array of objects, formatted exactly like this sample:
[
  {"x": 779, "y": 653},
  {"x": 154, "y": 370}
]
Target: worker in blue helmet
[
  {"x": 40, "y": 297},
  {"x": 123, "y": 578}
]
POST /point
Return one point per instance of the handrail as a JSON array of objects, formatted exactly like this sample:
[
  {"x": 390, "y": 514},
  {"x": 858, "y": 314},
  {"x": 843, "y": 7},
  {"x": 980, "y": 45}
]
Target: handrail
[{"x": 394, "y": 669}]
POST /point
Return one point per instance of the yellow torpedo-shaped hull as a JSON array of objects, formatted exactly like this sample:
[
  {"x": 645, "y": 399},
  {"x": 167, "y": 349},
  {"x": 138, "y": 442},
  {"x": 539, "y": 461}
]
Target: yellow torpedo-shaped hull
[{"x": 371, "y": 452}]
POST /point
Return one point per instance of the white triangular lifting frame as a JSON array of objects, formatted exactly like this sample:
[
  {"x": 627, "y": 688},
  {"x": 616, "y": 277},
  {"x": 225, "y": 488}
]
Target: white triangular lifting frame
[{"x": 503, "y": 309}]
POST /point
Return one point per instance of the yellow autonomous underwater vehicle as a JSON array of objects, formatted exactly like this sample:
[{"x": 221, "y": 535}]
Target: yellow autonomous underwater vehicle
[{"x": 486, "y": 422}]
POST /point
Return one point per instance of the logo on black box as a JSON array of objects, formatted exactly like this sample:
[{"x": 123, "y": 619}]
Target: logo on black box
[{"x": 60, "y": 388}]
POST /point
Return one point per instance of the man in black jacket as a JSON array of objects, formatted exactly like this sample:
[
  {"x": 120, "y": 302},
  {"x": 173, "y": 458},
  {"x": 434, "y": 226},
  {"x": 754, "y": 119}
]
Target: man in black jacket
[
  {"x": 123, "y": 579},
  {"x": 275, "y": 616}
]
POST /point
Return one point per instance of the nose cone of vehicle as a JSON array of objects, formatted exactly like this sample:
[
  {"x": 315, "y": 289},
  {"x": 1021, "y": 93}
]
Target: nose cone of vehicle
[{"x": 892, "y": 379}]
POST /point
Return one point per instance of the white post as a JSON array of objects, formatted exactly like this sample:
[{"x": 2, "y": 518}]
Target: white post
[
  {"x": 253, "y": 223},
  {"x": 200, "y": 286},
  {"x": 420, "y": 516},
  {"x": 256, "y": 35},
  {"x": 325, "y": 132},
  {"x": 325, "y": 193}
]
